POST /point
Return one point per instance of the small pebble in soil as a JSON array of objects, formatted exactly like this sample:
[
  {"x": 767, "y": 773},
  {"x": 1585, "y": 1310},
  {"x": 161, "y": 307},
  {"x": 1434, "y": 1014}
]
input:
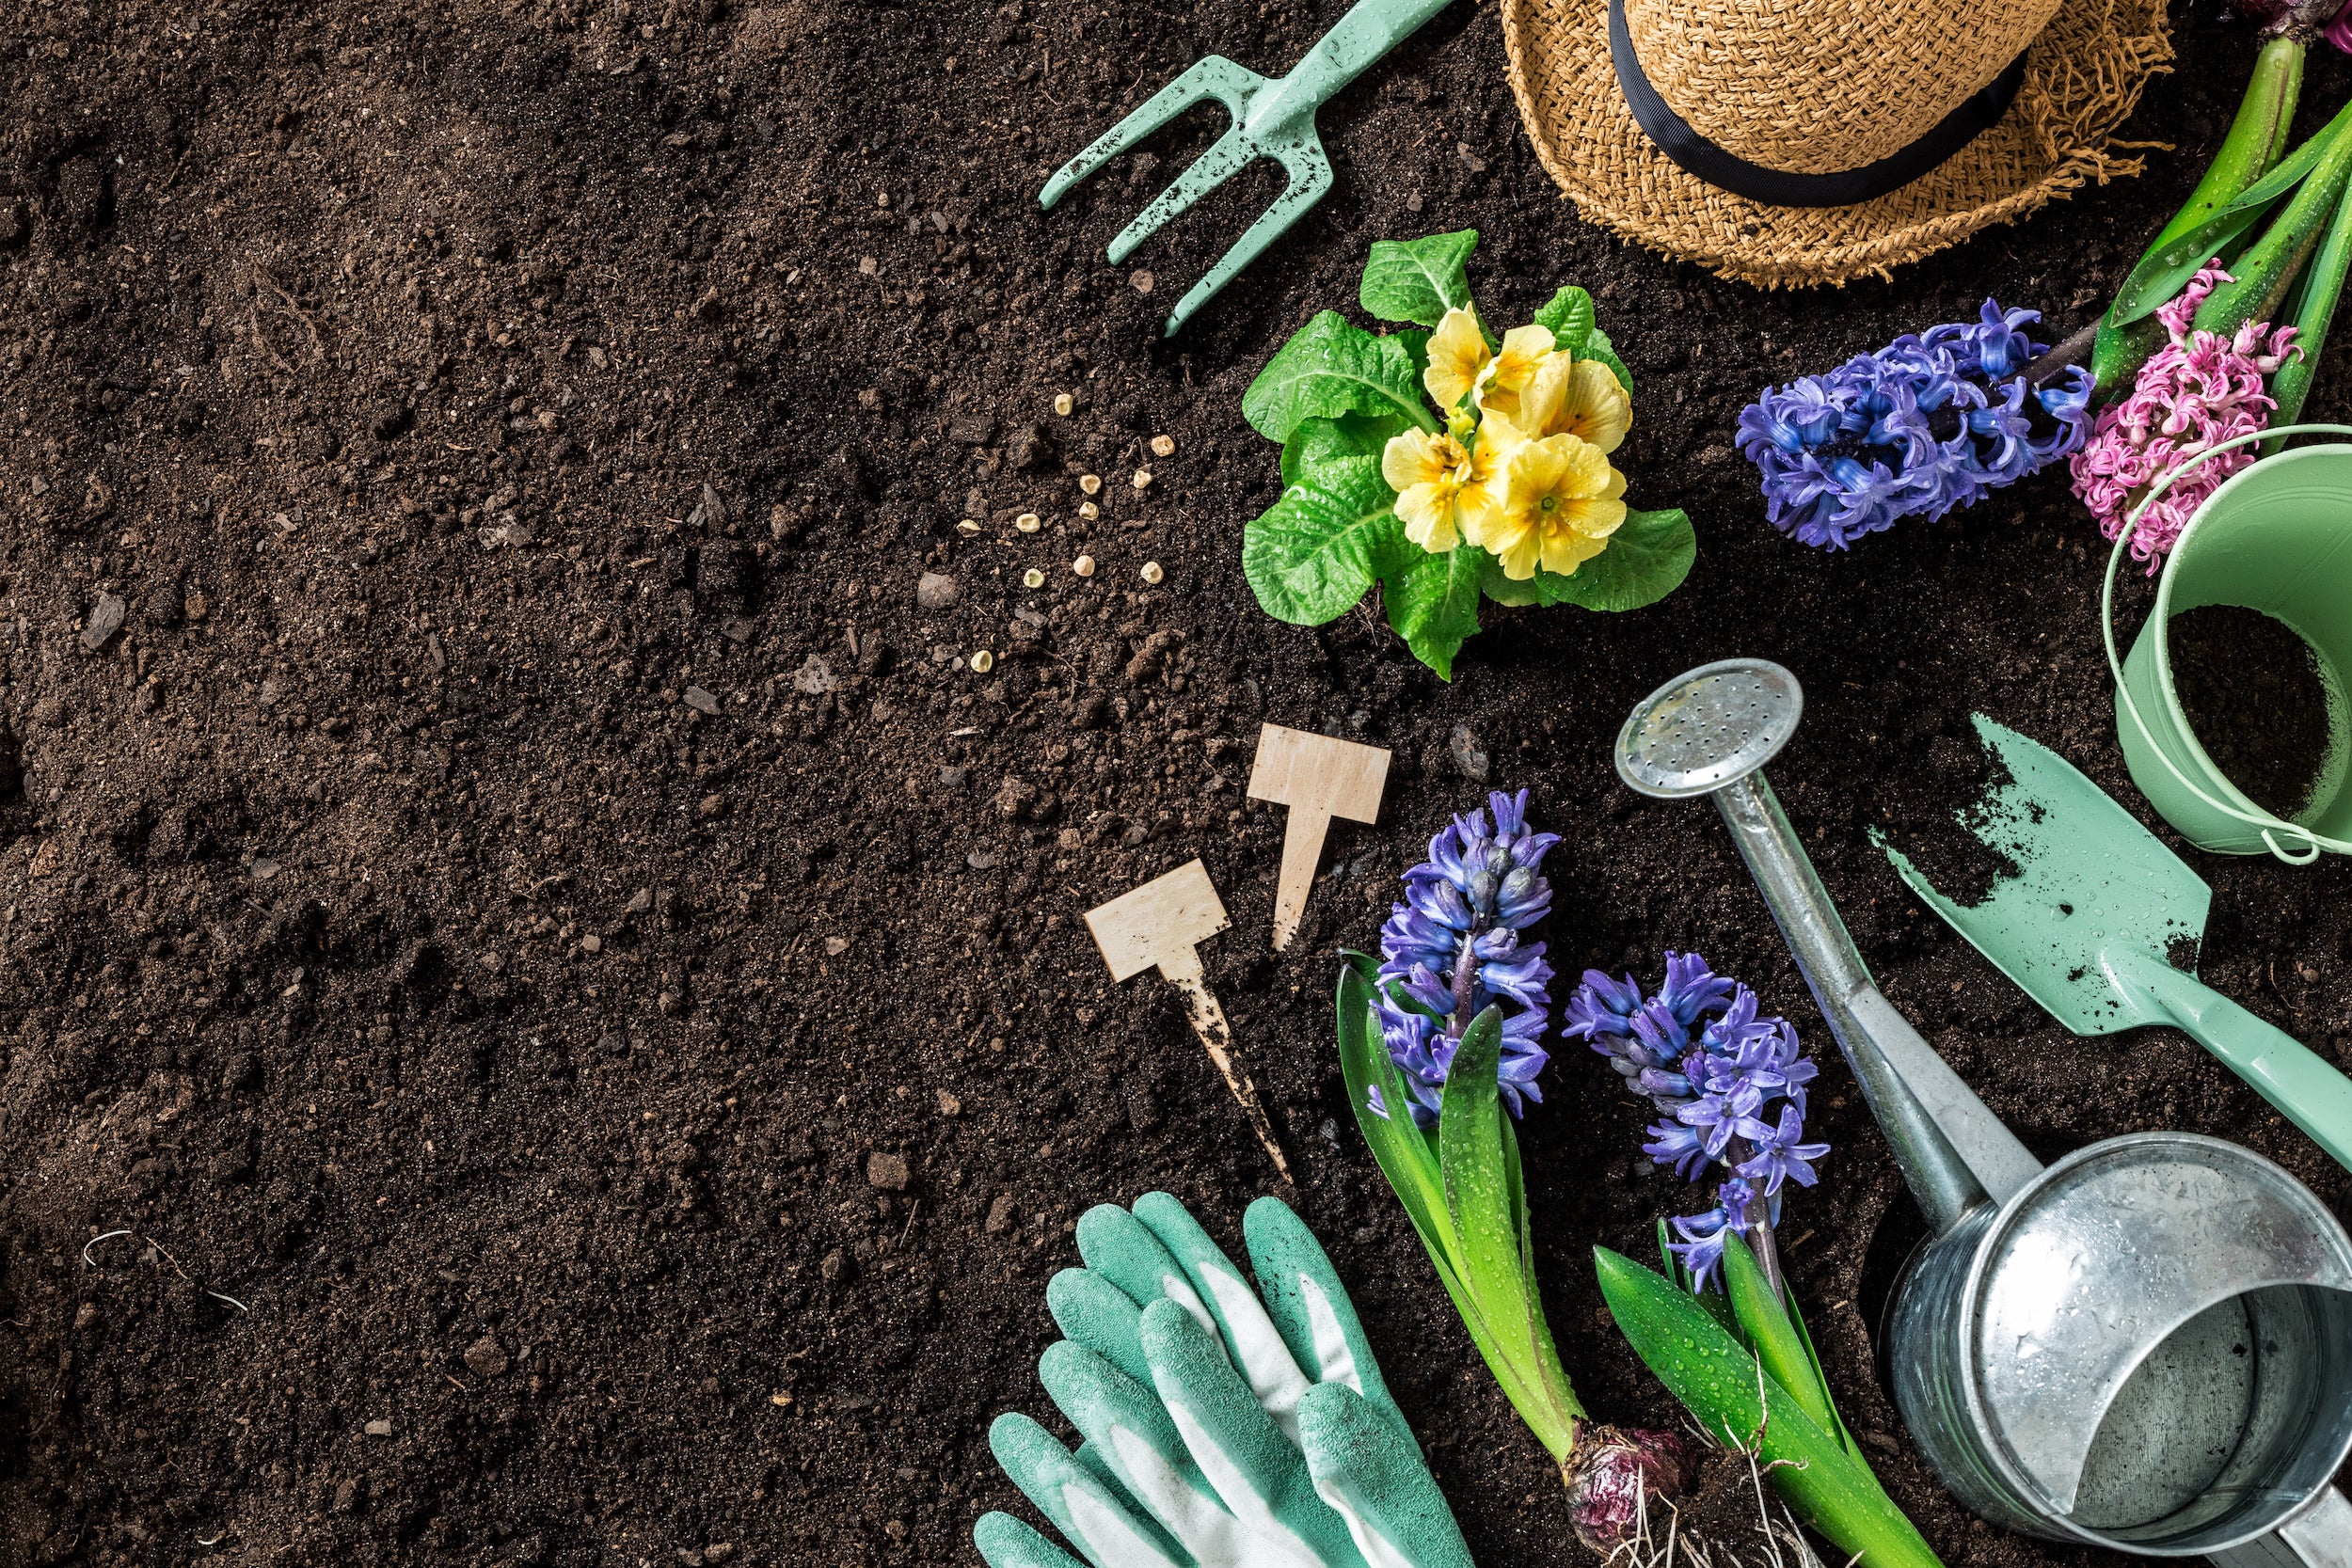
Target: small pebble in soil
[
  {"x": 1468, "y": 755},
  {"x": 983, "y": 662},
  {"x": 378, "y": 1429},
  {"x": 592, "y": 943},
  {"x": 485, "y": 1357},
  {"x": 1089, "y": 510},
  {"x": 1028, "y": 522},
  {"x": 936, "y": 590},
  {"x": 1063, "y": 404},
  {"x": 2253, "y": 693},
  {"x": 1163, "y": 446},
  {"x": 702, "y": 699},
  {"x": 1084, "y": 565},
  {"x": 1141, "y": 280},
  {"x": 105, "y": 619},
  {"x": 967, "y": 527},
  {"x": 886, "y": 1172},
  {"x": 949, "y": 1104},
  {"x": 1143, "y": 479},
  {"x": 1000, "y": 1212},
  {"x": 1033, "y": 578},
  {"x": 835, "y": 946},
  {"x": 1091, "y": 482},
  {"x": 1152, "y": 572}
]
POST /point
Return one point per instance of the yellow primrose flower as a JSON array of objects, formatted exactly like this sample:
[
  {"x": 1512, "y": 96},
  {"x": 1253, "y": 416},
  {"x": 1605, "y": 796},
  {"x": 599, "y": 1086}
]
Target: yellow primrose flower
[
  {"x": 1457, "y": 352},
  {"x": 1441, "y": 489},
  {"x": 1507, "y": 373},
  {"x": 1555, "y": 505},
  {"x": 1576, "y": 397}
]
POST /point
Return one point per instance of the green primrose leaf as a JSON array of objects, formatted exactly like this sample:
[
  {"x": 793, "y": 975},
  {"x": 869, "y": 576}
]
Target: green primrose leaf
[
  {"x": 1648, "y": 558},
  {"x": 1598, "y": 346},
  {"x": 1771, "y": 1335},
  {"x": 1417, "y": 280},
  {"x": 1743, "y": 1406},
  {"x": 1433, "y": 603},
  {"x": 1311, "y": 555},
  {"x": 1349, "y": 436},
  {"x": 1500, "y": 589},
  {"x": 1331, "y": 367},
  {"x": 1570, "y": 317}
]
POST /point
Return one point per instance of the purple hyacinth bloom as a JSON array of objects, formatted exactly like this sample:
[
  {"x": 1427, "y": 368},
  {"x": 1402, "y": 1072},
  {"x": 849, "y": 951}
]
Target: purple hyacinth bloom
[
  {"x": 1926, "y": 424},
  {"x": 1453, "y": 948},
  {"x": 1730, "y": 1086}
]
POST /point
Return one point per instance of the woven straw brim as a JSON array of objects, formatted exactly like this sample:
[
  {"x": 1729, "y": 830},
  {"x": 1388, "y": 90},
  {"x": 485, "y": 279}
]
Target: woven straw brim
[{"x": 2082, "y": 77}]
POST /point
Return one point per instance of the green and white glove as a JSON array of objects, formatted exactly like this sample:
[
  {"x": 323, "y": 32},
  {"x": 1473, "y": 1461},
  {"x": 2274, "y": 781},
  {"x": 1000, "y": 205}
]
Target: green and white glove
[{"x": 1205, "y": 1444}]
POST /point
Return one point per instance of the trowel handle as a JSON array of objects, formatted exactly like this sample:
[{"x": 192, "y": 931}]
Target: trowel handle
[
  {"x": 1369, "y": 30},
  {"x": 1954, "y": 1152},
  {"x": 2306, "y": 1090},
  {"x": 2319, "y": 1537}
]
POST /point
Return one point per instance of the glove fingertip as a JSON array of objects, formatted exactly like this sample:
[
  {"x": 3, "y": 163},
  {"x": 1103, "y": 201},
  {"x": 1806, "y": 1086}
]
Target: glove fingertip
[{"x": 1005, "y": 1542}]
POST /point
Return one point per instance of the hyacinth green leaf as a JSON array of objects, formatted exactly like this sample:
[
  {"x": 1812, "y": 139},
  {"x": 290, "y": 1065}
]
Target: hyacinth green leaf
[
  {"x": 1483, "y": 1201},
  {"x": 1771, "y": 1336},
  {"x": 1406, "y": 1159},
  {"x": 1744, "y": 1407},
  {"x": 1313, "y": 554},
  {"x": 2181, "y": 256},
  {"x": 1433, "y": 604},
  {"x": 1400, "y": 1148},
  {"x": 1329, "y": 368},
  {"x": 1843, "y": 1433},
  {"x": 1349, "y": 436},
  {"x": 1417, "y": 280},
  {"x": 1566, "y": 1408},
  {"x": 1717, "y": 1304},
  {"x": 1648, "y": 558},
  {"x": 1571, "y": 318},
  {"x": 1598, "y": 346}
]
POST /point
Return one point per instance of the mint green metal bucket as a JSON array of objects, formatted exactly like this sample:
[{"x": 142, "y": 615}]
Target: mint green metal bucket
[{"x": 2275, "y": 537}]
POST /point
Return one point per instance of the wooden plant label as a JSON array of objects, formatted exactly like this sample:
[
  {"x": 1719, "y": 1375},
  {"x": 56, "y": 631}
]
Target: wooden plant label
[
  {"x": 1160, "y": 926},
  {"x": 1319, "y": 778}
]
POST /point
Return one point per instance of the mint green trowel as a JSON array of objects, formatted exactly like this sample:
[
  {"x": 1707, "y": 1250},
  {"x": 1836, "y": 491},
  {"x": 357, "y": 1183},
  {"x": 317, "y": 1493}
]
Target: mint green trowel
[{"x": 2102, "y": 927}]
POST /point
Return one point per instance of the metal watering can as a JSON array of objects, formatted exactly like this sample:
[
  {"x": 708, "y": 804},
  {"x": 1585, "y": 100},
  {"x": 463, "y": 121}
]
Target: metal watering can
[{"x": 2146, "y": 1346}]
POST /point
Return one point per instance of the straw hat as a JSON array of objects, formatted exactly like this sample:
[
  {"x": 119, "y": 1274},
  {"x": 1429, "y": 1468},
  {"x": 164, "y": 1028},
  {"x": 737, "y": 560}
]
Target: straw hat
[{"x": 1810, "y": 141}]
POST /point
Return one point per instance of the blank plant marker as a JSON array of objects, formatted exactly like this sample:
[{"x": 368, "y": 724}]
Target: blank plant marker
[
  {"x": 1160, "y": 926},
  {"x": 1319, "y": 778}
]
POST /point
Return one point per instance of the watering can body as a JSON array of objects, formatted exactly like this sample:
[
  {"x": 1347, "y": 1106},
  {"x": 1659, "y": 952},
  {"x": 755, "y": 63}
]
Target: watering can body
[
  {"x": 2275, "y": 537},
  {"x": 2148, "y": 1348}
]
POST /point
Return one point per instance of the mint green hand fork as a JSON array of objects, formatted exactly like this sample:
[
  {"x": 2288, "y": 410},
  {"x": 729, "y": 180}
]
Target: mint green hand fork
[{"x": 1271, "y": 120}]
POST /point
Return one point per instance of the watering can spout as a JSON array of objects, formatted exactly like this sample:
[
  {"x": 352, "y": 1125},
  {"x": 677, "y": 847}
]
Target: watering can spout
[{"x": 1711, "y": 732}]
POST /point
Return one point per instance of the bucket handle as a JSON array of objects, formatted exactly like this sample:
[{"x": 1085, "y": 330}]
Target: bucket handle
[{"x": 2268, "y": 824}]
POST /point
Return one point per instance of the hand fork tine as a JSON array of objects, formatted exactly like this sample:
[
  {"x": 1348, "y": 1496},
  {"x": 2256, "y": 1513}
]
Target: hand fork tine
[
  {"x": 1214, "y": 77},
  {"x": 1271, "y": 120}
]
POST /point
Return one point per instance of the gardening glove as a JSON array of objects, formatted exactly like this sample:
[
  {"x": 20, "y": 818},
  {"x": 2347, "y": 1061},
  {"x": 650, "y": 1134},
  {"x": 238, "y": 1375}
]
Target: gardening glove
[{"x": 1206, "y": 1445}]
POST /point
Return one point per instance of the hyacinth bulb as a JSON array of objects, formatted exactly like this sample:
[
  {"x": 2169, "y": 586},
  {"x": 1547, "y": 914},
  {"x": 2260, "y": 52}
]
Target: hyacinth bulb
[
  {"x": 2301, "y": 20},
  {"x": 1608, "y": 1474}
]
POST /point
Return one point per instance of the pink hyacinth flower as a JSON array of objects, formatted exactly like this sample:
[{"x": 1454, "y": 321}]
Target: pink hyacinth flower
[{"x": 2197, "y": 393}]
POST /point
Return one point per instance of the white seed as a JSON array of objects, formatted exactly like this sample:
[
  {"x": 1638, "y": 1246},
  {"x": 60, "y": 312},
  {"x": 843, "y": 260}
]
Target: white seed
[
  {"x": 1063, "y": 404},
  {"x": 1084, "y": 565},
  {"x": 1143, "y": 479},
  {"x": 1028, "y": 522},
  {"x": 982, "y": 662},
  {"x": 1089, "y": 510},
  {"x": 967, "y": 527},
  {"x": 1089, "y": 482},
  {"x": 1151, "y": 572},
  {"x": 1033, "y": 578},
  {"x": 1163, "y": 446}
]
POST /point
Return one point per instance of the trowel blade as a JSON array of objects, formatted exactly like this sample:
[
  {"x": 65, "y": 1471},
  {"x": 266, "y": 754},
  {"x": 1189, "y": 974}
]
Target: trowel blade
[{"x": 2096, "y": 895}]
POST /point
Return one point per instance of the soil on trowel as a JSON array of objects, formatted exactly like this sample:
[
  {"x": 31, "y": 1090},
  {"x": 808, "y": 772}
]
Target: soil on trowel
[
  {"x": 2256, "y": 699},
  {"x": 1935, "y": 815}
]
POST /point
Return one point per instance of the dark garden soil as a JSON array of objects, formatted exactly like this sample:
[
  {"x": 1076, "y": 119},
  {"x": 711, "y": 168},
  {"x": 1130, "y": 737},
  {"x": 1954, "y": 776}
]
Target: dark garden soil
[
  {"x": 2255, "y": 699},
  {"x": 544, "y": 1015}
]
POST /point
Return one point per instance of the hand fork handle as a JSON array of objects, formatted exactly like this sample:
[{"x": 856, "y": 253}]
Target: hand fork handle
[{"x": 1367, "y": 31}]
